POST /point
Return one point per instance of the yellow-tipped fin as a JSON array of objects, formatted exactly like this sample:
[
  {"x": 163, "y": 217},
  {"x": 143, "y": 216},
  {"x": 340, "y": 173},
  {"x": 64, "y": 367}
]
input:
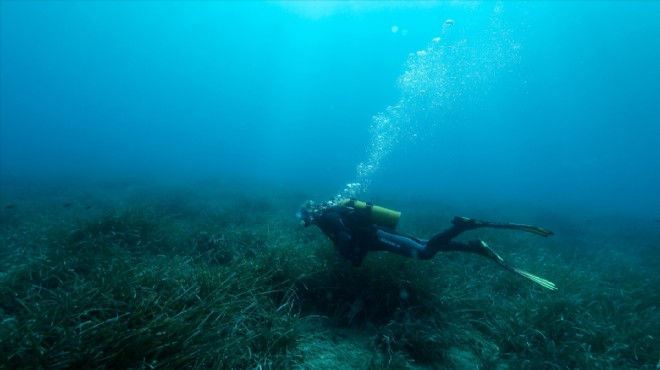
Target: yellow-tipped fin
[
  {"x": 488, "y": 252},
  {"x": 538, "y": 280}
]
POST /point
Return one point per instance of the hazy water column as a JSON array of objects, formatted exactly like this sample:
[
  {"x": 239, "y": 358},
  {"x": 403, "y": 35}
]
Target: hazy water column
[{"x": 435, "y": 78}]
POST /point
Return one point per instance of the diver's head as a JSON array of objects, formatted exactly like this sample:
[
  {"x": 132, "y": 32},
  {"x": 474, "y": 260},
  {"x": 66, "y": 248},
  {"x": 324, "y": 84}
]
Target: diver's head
[{"x": 308, "y": 212}]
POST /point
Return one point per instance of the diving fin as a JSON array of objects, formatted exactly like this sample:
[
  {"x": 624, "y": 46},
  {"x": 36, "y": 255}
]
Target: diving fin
[
  {"x": 531, "y": 229},
  {"x": 471, "y": 223},
  {"x": 538, "y": 280},
  {"x": 488, "y": 252}
]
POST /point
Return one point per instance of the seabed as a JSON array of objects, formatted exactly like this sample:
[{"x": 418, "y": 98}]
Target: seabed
[{"x": 219, "y": 275}]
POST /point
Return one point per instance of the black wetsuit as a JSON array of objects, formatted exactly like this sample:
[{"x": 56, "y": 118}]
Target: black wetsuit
[{"x": 354, "y": 235}]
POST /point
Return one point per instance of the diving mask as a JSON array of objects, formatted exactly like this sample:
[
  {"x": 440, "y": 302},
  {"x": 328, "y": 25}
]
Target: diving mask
[{"x": 307, "y": 212}]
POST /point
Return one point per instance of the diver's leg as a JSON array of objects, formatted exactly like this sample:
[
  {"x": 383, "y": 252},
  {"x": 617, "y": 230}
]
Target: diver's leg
[
  {"x": 459, "y": 225},
  {"x": 422, "y": 249},
  {"x": 401, "y": 244}
]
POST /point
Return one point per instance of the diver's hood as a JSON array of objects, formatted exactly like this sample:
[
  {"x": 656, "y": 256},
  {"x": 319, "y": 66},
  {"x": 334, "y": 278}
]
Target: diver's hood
[{"x": 307, "y": 212}]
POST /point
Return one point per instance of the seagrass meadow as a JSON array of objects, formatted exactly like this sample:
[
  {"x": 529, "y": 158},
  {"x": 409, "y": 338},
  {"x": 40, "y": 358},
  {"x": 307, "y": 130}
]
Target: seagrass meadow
[
  {"x": 154, "y": 157},
  {"x": 216, "y": 275}
]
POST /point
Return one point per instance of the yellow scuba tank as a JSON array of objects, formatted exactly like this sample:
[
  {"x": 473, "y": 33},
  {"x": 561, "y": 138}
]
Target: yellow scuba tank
[{"x": 379, "y": 215}]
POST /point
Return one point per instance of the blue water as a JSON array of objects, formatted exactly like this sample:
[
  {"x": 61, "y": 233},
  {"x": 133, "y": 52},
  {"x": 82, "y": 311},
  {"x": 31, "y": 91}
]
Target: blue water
[{"x": 548, "y": 103}]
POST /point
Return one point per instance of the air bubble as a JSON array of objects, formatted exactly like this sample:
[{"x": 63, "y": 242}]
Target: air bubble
[{"x": 434, "y": 81}]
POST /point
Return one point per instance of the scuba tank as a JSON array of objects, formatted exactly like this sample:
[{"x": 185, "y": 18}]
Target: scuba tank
[{"x": 379, "y": 215}]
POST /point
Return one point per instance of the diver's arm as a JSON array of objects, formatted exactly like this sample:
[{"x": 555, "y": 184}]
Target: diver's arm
[{"x": 333, "y": 223}]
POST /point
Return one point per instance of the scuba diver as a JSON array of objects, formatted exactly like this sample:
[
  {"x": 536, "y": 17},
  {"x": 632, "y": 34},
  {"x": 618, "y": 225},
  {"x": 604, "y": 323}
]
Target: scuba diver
[{"x": 356, "y": 228}]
